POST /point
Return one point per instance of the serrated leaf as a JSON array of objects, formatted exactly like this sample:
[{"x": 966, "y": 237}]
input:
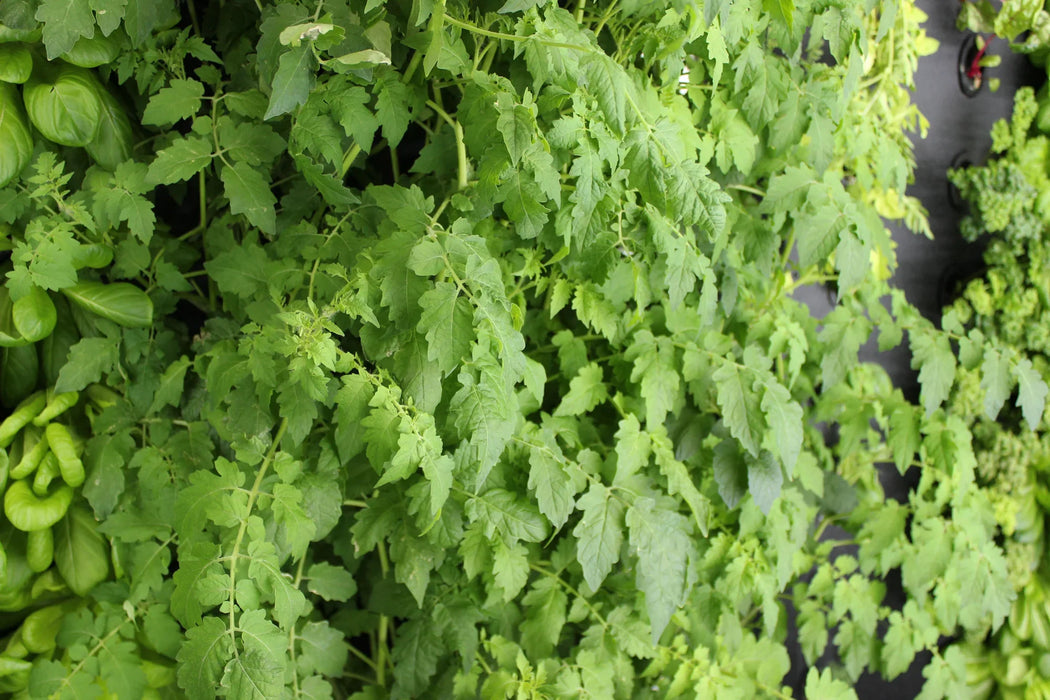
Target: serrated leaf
[
  {"x": 447, "y": 322},
  {"x": 510, "y": 568},
  {"x": 64, "y": 21},
  {"x": 1031, "y": 394},
  {"x": 599, "y": 534},
  {"x": 330, "y": 582},
  {"x": 586, "y": 390},
  {"x": 764, "y": 479},
  {"x": 607, "y": 82},
  {"x": 784, "y": 417},
  {"x": 88, "y": 361},
  {"x": 293, "y": 81},
  {"x": 249, "y": 194},
  {"x": 179, "y": 100},
  {"x": 517, "y": 125},
  {"x": 417, "y": 648},
  {"x": 661, "y": 540},
  {"x": 932, "y": 355},
  {"x": 323, "y": 649},
  {"x": 740, "y": 404},
  {"x": 996, "y": 381},
  {"x": 180, "y": 161},
  {"x": 555, "y": 493},
  {"x": 170, "y": 388},
  {"x": 518, "y": 6},
  {"x": 203, "y": 657},
  {"x": 546, "y": 603}
]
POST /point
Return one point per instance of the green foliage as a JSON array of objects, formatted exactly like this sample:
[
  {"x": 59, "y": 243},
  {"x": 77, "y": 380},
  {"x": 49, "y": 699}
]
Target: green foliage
[{"x": 471, "y": 363}]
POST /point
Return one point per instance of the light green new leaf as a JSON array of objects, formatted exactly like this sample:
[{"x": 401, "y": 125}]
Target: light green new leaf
[
  {"x": 680, "y": 482},
  {"x": 482, "y": 410},
  {"x": 633, "y": 447},
  {"x": 823, "y": 685},
  {"x": 1032, "y": 390},
  {"x": 932, "y": 355},
  {"x": 784, "y": 416},
  {"x": 249, "y": 194},
  {"x": 586, "y": 390},
  {"x": 996, "y": 381},
  {"x": 904, "y": 436}
]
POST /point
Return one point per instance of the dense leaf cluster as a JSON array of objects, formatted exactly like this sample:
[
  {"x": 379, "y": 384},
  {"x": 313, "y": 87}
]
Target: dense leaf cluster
[
  {"x": 1009, "y": 214},
  {"x": 476, "y": 366}
]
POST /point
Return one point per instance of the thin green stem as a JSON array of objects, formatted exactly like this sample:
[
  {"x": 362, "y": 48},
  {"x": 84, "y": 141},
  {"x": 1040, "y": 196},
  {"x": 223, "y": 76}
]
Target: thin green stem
[
  {"x": 243, "y": 529},
  {"x": 202, "y": 197},
  {"x": 348, "y": 159},
  {"x": 474, "y": 29},
  {"x": 461, "y": 147},
  {"x": 580, "y": 7},
  {"x": 364, "y": 658},
  {"x": 747, "y": 188}
]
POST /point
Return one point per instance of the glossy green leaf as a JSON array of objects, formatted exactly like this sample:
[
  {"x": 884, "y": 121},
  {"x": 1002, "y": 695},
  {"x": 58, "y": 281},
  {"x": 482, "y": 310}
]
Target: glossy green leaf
[
  {"x": 81, "y": 553},
  {"x": 34, "y": 315},
  {"x": 16, "y": 63},
  {"x": 65, "y": 105}
]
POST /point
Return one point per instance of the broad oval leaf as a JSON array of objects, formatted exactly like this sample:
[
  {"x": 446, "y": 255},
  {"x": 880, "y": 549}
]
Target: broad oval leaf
[
  {"x": 67, "y": 107},
  {"x": 19, "y": 372},
  {"x": 93, "y": 51},
  {"x": 120, "y": 302},
  {"x": 34, "y": 315},
  {"x": 16, "y": 63},
  {"x": 16, "y": 143},
  {"x": 114, "y": 138},
  {"x": 81, "y": 554},
  {"x": 9, "y": 335}
]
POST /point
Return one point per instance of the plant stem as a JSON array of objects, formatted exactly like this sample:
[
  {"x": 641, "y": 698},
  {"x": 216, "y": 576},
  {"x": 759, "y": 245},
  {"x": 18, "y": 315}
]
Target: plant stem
[
  {"x": 474, "y": 29},
  {"x": 463, "y": 180},
  {"x": 252, "y": 497}
]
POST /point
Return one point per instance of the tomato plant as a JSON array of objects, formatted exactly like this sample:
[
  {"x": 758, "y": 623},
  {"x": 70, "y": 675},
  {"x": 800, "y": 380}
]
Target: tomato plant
[{"x": 447, "y": 349}]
